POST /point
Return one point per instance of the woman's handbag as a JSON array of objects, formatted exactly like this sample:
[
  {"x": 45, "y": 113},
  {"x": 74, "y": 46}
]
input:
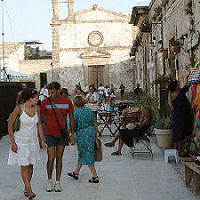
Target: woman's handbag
[
  {"x": 97, "y": 150},
  {"x": 16, "y": 125}
]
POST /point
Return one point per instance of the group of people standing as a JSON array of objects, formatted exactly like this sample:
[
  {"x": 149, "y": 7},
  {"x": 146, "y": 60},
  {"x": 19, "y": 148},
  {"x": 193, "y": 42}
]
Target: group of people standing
[
  {"x": 53, "y": 110},
  {"x": 103, "y": 92}
]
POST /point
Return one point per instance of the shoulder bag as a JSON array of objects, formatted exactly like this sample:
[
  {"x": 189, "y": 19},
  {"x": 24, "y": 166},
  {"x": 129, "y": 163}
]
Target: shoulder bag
[{"x": 16, "y": 125}]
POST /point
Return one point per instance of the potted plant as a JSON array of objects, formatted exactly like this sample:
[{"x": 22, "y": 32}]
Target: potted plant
[
  {"x": 162, "y": 127},
  {"x": 162, "y": 80},
  {"x": 176, "y": 46}
]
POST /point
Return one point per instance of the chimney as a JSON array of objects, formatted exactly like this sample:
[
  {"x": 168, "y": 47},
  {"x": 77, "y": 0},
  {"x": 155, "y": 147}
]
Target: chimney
[{"x": 70, "y": 8}]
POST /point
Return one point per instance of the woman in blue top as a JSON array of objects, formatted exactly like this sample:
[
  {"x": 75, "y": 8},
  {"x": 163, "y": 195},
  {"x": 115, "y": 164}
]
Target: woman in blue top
[{"x": 86, "y": 133}]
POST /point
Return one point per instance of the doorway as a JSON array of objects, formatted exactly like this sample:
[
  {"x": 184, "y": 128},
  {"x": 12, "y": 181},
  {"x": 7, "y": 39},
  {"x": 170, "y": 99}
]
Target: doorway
[
  {"x": 96, "y": 75},
  {"x": 43, "y": 79}
]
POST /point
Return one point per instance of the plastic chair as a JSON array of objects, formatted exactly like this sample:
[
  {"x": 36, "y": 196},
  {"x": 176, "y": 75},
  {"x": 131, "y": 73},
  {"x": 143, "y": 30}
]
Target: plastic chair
[{"x": 171, "y": 152}]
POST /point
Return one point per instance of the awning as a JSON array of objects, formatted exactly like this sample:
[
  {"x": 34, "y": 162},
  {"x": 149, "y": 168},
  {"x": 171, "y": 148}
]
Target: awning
[{"x": 10, "y": 74}]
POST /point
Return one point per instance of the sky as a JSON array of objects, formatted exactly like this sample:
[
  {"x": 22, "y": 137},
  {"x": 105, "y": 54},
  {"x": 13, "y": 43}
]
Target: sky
[{"x": 26, "y": 20}]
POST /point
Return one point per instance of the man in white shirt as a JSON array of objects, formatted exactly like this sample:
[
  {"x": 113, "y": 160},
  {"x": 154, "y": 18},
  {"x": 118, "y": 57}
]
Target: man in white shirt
[
  {"x": 100, "y": 93},
  {"x": 43, "y": 93},
  {"x": 91, "y": 100}
]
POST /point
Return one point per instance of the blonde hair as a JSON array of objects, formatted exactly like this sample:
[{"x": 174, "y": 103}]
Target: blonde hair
[{"x": 78, "y": 101}]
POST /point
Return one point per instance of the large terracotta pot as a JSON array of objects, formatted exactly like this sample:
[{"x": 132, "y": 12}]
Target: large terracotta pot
[{"x": 164, "y": 138}]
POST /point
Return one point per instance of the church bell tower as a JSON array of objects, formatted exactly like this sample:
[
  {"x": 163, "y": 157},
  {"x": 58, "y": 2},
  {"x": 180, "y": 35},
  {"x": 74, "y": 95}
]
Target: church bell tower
[
  {"x": 55, "y": 39},
  {"x": 56, "y": 10},
  {"x": 70, "y": 8}
]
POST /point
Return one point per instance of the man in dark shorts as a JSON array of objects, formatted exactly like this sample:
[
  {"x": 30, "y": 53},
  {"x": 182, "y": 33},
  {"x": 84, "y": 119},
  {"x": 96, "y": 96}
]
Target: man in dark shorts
[{"x": 56, "y": 143}]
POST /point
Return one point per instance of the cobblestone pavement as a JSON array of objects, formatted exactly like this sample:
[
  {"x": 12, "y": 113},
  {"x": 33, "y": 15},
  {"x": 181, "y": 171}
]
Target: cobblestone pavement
[{"x": 121, "y": 177}]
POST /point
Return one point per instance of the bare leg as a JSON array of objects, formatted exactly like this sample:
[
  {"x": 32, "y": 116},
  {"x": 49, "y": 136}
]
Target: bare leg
[
  {"x": 50, "y": 162},
  {"x": 121, "y": 142},
  {"x": 180, "y": 147},
  {"x": 93, "y": 170},
  {"x": 112, "y": 143},
  {"x": 30, "y": 173},
  {"x": 78, "y": 167},
  {"x": 116, "y": 138},
  {"x": 120, "y": 145},
  {"x": 25, "y": 173},
  {"x": 59, "y": 155}
]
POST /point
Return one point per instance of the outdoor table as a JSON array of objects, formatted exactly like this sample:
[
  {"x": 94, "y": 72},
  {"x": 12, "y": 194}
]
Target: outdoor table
[{"x": 106, "y": 118}]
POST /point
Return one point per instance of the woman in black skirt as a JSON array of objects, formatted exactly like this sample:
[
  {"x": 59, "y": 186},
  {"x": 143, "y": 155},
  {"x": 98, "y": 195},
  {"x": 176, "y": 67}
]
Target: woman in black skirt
[{"x": 126, "y": 135}]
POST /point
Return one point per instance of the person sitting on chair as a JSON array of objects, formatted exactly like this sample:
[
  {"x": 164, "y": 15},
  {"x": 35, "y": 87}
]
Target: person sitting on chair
[{"x": 126, "y": 135}]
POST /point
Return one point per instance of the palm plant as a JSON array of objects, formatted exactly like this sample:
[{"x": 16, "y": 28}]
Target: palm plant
[{"x": 162, "y": 120}]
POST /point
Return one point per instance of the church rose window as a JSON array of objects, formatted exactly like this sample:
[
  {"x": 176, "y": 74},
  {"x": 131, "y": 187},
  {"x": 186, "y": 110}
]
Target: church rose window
[{"x": 95, "y": 38}]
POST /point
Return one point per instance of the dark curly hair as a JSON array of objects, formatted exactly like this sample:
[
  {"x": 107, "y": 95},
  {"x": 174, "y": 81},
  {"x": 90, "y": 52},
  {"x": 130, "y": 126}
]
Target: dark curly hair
[
  {"x": 29, "y": 93},
  {"x": 53, "y": 85},
  {"x": 172, "y": 86}
]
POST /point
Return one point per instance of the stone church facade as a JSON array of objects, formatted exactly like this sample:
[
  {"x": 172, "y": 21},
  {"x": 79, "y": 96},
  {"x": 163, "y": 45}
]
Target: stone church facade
[{"x": 92, "y": 46}]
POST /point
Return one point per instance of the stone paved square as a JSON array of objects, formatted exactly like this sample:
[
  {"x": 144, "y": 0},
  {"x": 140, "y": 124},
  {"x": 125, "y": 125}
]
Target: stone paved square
[{"x": 121, "y": 177}]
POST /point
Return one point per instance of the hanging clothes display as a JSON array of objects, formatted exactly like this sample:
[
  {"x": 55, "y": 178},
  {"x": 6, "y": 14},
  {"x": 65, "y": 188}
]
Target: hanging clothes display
[{"x": 194, "y": 78}]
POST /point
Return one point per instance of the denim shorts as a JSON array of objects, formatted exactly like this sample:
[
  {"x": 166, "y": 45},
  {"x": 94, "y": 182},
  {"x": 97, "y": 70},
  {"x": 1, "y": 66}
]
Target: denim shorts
[{"x": 53, "y": 141}]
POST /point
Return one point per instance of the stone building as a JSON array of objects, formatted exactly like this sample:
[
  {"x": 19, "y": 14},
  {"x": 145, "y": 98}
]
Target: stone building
[
  {"x": 13, "y": 53},
  {"x": 92, "y": 46},
  {"x": 169, "y": 22},
  {"x": 22, "y": 57},
  {"x": 140, "y": 49}
]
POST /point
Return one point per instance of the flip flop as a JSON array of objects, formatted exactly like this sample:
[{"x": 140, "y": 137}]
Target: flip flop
[
  {"x": 116, "y": 153},
  {"x": 73, "y": 175},
  {"x": 31, "y": 196},
  {"x": 109, "y": 144},
  {"x": 94, "y": 180},
  {"x": 26, "y": 194}
]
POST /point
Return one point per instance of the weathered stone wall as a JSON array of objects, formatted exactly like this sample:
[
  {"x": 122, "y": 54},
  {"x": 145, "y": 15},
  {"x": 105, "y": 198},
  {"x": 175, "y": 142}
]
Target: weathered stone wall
[
  {"x": 173, "y": 19},
  {"x": 70, "y": 76},
  {"x": 114, "y": 34},
  {"x": 13, "y": 52},
  {"x": 75, "y": 50},
  {"x": 122, "y": 73},
  {"x": 196, "y": 9},
  {"x": 35, "y": 67}
]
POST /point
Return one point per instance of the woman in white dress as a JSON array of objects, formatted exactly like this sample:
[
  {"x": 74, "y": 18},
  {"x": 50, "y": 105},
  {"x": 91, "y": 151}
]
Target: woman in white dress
[{"x": 24, "y": 150}]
